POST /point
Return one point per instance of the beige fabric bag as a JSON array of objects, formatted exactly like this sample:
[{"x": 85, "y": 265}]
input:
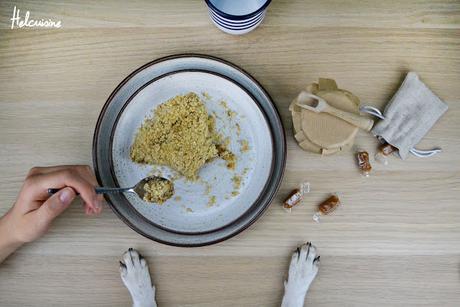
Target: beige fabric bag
[{"x": 409, "y": 115}]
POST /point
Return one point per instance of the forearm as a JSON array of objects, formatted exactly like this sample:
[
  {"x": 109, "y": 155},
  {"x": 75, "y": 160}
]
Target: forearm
[
  {"x": 293, "y": 297},
  {"x": 293, "y": 300},
  {"x": 8, "y": 243}
]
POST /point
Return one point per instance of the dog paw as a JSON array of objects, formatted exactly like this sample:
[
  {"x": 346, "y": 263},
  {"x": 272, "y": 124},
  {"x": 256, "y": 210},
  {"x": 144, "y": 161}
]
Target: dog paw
[
  {"x": 302, "y": 271},
  {"x": 135, "y": 274}
]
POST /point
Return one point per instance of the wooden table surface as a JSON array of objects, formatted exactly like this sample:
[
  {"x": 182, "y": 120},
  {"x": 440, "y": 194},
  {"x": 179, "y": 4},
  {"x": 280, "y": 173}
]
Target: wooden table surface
[{"x": 396, "y": 240}]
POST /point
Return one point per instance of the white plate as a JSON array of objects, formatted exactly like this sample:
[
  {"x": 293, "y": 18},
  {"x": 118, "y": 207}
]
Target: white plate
[
  {"x": 195, "y": 210},
  {"x": 110, "y": 114}
]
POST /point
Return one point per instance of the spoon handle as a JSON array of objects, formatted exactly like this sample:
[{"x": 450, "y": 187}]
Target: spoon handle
[
  {"x": 99, "y": 190},
  {"x": 354, "y": 119},
  {"x": 102, "y": 190}
]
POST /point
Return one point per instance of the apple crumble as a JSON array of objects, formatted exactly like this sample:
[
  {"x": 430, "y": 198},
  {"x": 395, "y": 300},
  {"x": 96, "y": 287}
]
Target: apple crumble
[
  {"x": 158, "y": 191},
  {"x": 180, "y": 135}
]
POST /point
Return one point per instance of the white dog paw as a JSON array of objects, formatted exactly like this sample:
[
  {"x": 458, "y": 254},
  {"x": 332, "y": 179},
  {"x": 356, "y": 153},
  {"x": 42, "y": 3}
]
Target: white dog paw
[
  {"x": 135, "y": 274},
  {"x": 302, "y": 271}
]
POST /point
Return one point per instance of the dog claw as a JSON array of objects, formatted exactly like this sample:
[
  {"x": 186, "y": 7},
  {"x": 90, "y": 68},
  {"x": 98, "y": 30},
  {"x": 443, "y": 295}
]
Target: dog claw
[
  {"x": 308, "y": 250},
  {"x": 135, "y": 275},
  {"x": 302, "y": 271}
]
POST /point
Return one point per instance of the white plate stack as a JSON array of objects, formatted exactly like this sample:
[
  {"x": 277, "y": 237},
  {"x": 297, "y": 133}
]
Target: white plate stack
[{"x": 237, "y": 16}]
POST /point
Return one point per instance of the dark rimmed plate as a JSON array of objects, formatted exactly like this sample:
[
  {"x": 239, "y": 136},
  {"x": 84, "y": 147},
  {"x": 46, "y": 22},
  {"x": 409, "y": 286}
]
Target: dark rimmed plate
[{"x": 106, "y": 123}]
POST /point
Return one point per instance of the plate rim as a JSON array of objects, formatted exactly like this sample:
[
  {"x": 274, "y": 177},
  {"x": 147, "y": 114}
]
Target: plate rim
[
  {"x": 282, "y": 158},
  {"x": 238, "y": 17},
  {"x": 128, "y": 101}
]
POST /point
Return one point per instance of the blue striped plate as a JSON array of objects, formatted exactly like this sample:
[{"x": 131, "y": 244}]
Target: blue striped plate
[{"x": 237, "y": 16}]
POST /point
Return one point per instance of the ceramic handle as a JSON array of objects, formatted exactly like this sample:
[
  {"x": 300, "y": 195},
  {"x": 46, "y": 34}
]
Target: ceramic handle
[{"x": 354, "y": 119}]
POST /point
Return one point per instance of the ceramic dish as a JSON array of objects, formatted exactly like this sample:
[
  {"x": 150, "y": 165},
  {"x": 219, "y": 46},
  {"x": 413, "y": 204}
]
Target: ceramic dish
[
  {"x": 238, "y": 10},
  {"x": 237, "y": 29},
  {"x": 212, "y": 201},
  {"x": 174, "y": 224},
  {"x": 237, "y": 16}
]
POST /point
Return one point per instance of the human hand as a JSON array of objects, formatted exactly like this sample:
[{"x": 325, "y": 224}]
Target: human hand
[{"x": 34, "y": 209}]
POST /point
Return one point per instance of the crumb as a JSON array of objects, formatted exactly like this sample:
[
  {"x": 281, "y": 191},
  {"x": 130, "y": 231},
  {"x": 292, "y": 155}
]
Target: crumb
[
  {"x": 230, "y": 113},
  {"x": 226, "y": 155},
  {"x": 244, "y": 145},
  {"x": 158, "y": 190},
  {"x": 224, "y": 104},
  {"x": 245, "y": 171},
  {"x": 189, "y": 209},
  {"x": 212, "y": 201},
  {"x": 236, "y": 182},
  {"x": 206, "y": 95},
  {"x": 238, "y": 129},
  {"x": 177, "y": 198},
  {"x": 217, "y": 138},
  {"x": 235, "y": 193},
  {"x": 208, "y": 188}
]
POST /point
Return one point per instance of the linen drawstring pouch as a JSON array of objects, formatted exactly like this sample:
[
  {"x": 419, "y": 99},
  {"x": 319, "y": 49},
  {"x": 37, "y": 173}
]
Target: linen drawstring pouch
[{"x": 408, "y": 117}]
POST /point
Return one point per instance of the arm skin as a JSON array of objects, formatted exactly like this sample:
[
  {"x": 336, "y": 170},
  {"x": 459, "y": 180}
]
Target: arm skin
[
  {"x": 8, "y": 244},
  {"x": 34, "y": 210}
]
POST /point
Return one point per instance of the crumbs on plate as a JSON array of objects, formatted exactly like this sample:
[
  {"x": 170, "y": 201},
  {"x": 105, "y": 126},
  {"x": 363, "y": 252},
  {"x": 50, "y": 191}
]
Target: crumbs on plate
[
  {"x": 180, "y": 135},
  {"x": 212, "y": 201},
  {"x": 158, "y": 190},
  {"x": 244, "y": 145}
]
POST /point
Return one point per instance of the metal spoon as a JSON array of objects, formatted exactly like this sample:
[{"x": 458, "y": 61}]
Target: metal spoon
[{"x": 137, "y": 189}]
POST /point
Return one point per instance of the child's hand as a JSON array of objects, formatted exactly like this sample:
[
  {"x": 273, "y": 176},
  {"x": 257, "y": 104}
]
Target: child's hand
[{"x": 34, "y": 209}]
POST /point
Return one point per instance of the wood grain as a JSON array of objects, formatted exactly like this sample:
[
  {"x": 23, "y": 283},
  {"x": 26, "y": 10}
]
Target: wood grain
[{"x": 396, "y": 240}]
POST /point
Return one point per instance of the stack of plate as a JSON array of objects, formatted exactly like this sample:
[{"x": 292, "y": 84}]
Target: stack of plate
[
  {"x": 237, "y": 16},
  {"x": 189, "y": 219}
]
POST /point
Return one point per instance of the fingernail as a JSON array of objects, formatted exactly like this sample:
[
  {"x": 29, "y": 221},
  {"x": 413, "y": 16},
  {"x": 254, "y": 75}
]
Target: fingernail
[
  {"x": 97, "y": 204},
  {"x": 66, "y": 196}
]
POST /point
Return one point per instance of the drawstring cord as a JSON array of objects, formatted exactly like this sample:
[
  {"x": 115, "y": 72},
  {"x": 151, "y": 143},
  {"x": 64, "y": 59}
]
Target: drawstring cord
[{"x": 416, "y": 152}]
